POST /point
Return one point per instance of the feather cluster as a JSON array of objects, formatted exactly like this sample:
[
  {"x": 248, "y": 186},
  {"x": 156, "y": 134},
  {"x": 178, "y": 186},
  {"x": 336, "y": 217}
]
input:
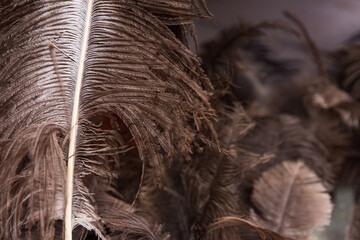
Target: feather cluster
[
  {"x": 304, "y": 120},
  {"x": 234, "y": 144}
]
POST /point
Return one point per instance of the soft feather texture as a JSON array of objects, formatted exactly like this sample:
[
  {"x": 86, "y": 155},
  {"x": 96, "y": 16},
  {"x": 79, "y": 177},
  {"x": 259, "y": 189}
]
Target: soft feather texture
[
  {"x": 236, "y": 70},
  {"x": 123, "y": 222},
  {"x": 135, "y": 69},
  {"x": 323, "y": 116},
  {"x": 168, "y": 205},
  {"x": 287, "y": 138},
  {"x": 346, "y": 72},
  {"x": 246, "y": 230},
  {"x": 244, "y": 67},
  {"x": 241, "y": 65},
  {"x": 144, "y": 113},
  {"x": 212, "y": 179},
  {"x": 290, "y": 199}
]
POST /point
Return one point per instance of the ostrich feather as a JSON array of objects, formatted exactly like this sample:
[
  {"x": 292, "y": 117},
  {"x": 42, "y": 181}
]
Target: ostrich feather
[
  {"x": 324, "y": 94},
  {"x": 212, "y": 178},
  {"x": 134, "y": 69},
  {"x": 346, "y": 65},
  {"x": 123, "y": 221},
  {"x": 290, "y": 199},
  {"x": 347, "y": 75},
  {"x": 241, "y": 65},
  {"x": 168, "y": 205},
  {"x": 287, "y": 138}
]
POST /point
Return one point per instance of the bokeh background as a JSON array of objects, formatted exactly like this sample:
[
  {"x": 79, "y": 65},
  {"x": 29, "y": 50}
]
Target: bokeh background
[{"x": 329, "y": 22}]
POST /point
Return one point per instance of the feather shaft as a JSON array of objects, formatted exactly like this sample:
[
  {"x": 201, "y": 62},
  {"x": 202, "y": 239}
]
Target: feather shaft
[
  {"x": 74, "y": 126},
  {"x": 287, "y": 194}
]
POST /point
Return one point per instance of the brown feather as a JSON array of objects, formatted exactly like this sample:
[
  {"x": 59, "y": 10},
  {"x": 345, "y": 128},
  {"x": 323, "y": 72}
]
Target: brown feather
[
  {"x": 135, "y": 70},
  {"x": 211, "y": 180},
  {"x": 290, "y": 199},
  {"x": 245, "y": 229}
]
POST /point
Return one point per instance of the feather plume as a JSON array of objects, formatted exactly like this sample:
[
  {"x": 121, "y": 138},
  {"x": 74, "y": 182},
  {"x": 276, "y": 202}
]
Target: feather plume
[
  {"x": 322, "y": 92},
  {"x": 240, "y": 64},
  {"x": 134, "y": 69},
  {"x": 290, "y": 199},
  {"x": 211, "y": 180},
  {"x": 318, "y": 134},
  {"x": 123, "y": 222},
  {"x": 288, "y": 139},
  {"x": 168, "y": 205}
]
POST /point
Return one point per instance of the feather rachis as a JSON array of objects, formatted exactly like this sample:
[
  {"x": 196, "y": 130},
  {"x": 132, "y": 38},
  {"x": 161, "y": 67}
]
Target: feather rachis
[{"x": 74, "y": 127}]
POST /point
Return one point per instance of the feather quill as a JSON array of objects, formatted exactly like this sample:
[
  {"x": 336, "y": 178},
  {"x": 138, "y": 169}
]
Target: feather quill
[{"x": 74, "y": 126}]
